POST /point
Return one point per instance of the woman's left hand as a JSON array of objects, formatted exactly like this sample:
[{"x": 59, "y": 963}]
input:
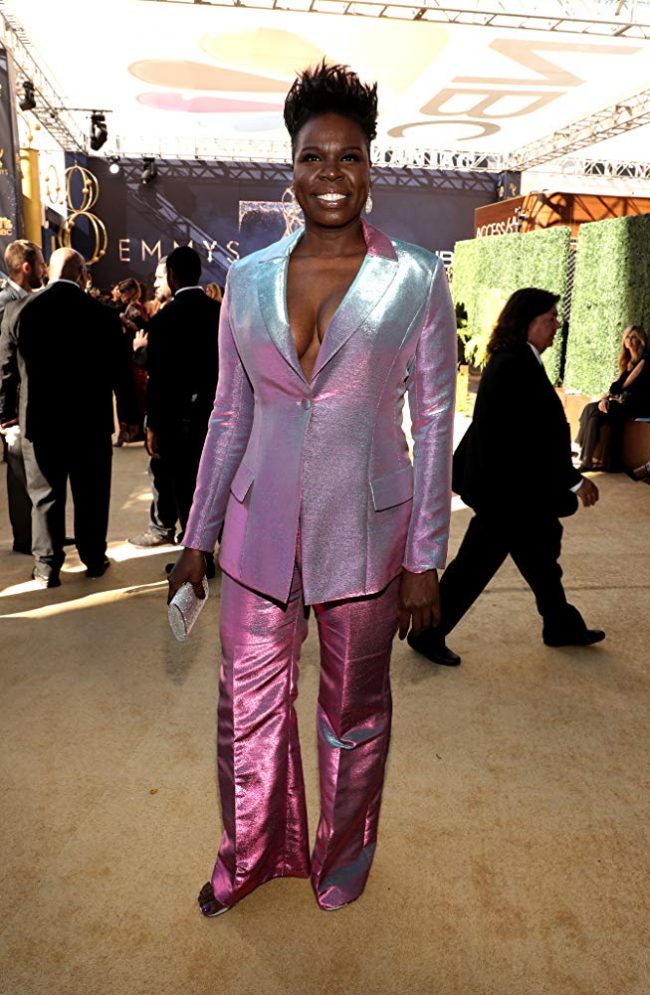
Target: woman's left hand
[{"x": 419, "y": 601}]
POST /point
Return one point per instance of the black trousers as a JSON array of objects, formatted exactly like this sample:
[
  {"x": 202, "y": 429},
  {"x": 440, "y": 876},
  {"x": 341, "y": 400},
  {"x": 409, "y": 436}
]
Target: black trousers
[
  {"x": 49, "y": 464},
  {"x": 162, "y": 512},
  {"x": 593, "y": 441},
  {"x": 20, "y": 506},
  {"x": 180, "y": 449},
  {"x": 534, "y": 544}
]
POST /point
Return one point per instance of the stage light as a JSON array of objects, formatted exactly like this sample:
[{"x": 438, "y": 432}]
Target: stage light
[
  {"x": 149, "y": 170},
  {"x": 98, "y": 130},
  {"x": 114, "y": 167},
  {"x": 28, "y": 100}
]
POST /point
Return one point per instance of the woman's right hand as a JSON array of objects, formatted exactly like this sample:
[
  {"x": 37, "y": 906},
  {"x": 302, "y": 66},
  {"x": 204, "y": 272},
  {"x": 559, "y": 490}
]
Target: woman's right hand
[
  {"x": 603, "y": 404},
  {"x": 189, "y": 566}
]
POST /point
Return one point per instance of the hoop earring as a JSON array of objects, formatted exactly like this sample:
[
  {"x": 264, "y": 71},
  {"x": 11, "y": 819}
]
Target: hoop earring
[{"x": 368, "y": 206}]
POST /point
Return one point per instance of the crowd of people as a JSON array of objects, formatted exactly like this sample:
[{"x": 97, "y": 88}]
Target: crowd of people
[
  {"x": 287, "y": 448},
  {"x": 158, "y": 358},
  {"x": 152, "y": 396}
]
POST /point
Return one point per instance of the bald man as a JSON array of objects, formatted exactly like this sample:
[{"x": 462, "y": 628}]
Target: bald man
[{"x": 70, "y": 357}]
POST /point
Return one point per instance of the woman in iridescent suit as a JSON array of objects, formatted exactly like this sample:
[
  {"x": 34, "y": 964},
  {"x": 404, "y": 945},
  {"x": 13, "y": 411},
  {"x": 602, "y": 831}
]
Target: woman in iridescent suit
[{"x": 307, "y": 468}]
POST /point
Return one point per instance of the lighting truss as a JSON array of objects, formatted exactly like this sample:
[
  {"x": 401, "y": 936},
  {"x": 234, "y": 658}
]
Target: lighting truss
[
  {"x": 395, "y": 155},
  {"x": 612, "y": 168},
  {"x": 49, "y": 104},
  {"x": 251, "y": 174},
  {"x": 611, "y": 121},
  {"x": 387, "y": 158},
  {"x": 611, "y": 18}
]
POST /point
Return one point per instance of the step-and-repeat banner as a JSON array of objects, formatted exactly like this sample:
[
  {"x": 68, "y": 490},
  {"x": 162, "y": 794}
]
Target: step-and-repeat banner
[
  {"x": 10, "y": 201},
  {"x": 227, "y": 210}
]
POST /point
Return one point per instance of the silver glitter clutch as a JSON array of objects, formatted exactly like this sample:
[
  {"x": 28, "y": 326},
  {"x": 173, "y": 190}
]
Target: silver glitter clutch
[{"x": 184, "y": 609}]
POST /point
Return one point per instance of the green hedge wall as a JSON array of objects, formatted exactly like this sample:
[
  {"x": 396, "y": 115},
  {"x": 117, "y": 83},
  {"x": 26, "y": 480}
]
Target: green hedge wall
[
  {"x": 488, "y": 270},
  {"x": 611, "y": 289}
]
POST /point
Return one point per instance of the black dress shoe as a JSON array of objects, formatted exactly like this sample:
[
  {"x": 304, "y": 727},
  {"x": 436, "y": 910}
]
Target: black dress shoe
[
  {"x": 208, "y": 904},
  {"x": 98, "y": 569},
  {"x": 585, "y": 638},
  {"x": 46, "y": 578},
  {"x": 432, "y": 645}
]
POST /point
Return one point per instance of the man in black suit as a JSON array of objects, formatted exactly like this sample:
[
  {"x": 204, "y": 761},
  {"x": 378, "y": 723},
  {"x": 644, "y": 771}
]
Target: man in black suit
[
  {"x": 513, "y": 467},
  {"x": 182, "y": 360},
  {"x": 69, "y": 355},
  {"x": 26, "y": 268}
]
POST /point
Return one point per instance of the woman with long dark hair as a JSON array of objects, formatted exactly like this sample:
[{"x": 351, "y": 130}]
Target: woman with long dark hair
[{"x": 307, "y": 468}]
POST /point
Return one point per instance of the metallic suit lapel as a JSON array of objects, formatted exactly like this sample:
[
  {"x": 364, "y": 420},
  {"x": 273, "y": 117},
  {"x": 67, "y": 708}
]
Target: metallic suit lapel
[
  {"x": 272, "y": 297},
  {"x": 370, "y": 284}
]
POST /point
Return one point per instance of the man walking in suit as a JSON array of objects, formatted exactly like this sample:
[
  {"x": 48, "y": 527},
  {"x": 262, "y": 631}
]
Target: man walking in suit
[
  {"x": 513, "y": 467},
  {"x": 182, "y": 360},
  {"x": 69, "y": 355},
  {"x": 26, "y": 268}
]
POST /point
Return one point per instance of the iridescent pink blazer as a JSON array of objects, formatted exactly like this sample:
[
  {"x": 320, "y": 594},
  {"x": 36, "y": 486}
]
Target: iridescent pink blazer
[{"x": 330, "y": 453}]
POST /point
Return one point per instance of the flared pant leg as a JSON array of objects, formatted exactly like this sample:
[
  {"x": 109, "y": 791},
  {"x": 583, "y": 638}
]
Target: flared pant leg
[
  {"x": 260, "y": 771},
  {"x": 353, "y": 719}
]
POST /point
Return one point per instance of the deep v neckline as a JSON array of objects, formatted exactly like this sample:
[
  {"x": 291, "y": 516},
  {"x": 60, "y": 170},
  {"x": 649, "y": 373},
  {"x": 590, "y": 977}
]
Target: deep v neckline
[
  {"x": 376, "y": 273},
  {"x": 330, "y": 323}
]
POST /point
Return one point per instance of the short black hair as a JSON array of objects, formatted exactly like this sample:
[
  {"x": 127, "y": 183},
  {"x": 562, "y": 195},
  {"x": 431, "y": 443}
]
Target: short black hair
[
  {"x": 331, "y": 90},
  {"x": 185, "y": 263},
  {"x": 521, "y": 308}
]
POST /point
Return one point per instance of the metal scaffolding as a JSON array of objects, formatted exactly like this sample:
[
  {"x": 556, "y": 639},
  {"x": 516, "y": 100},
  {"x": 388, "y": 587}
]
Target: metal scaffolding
[
  {"x": 611, "y": 18},
  {"x": 629, "y": 169},
  {"x": 390, "y": 155},
  {"x": 50, "y": 106},
  {"x": 64, "y": 125},
  {"x": 607, "y": 123}
]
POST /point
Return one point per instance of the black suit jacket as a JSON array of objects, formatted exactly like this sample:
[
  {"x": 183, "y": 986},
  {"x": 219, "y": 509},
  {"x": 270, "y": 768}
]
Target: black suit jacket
[
  {"x": 182, "y": 360},
  {"x": 67, "y": 354},
  {"x": 516, "y": 455},
  {"x": 7, "y": 296}
]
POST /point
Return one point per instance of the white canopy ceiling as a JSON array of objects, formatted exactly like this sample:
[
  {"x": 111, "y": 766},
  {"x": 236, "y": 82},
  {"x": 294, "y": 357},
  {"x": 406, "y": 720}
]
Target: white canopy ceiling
[{"x": 178, "y": 77}]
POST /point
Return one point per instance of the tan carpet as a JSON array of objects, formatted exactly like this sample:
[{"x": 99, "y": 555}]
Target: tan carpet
[{"x": 513, "y": 850}]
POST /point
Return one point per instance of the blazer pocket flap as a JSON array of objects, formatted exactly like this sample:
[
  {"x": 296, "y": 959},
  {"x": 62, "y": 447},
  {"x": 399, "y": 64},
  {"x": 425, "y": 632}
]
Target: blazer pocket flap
[
  {"x": 393, "y": 489},
  {"x": 241, "y": 482}
]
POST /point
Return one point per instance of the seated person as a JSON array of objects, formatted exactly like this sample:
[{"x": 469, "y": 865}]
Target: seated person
[{"x": 628, "y": 397}]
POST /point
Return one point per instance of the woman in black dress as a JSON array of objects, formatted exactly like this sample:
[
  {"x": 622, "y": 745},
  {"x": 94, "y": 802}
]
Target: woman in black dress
[{"x": 628, "y": 397}]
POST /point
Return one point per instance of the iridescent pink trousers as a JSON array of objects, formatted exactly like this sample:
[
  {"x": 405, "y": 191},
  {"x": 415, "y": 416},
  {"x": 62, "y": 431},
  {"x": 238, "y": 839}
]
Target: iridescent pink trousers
[{"x": 260, "y": 771}]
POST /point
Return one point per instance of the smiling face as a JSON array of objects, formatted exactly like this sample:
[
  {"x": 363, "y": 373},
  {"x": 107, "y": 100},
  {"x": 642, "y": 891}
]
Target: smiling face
[
  {"x": 542, "y": 329},
  {"x": 331, "y": 171}
]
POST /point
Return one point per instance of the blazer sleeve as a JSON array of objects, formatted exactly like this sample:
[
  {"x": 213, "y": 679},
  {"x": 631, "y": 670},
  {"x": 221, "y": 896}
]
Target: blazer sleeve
[
  {"x": 432, "y": 391},
  {"x": 155, "y": 366},
  {"x": 9, "y": 374},
  {"x": 229, "y": 429},
  {"x": 122, "y": 373}
]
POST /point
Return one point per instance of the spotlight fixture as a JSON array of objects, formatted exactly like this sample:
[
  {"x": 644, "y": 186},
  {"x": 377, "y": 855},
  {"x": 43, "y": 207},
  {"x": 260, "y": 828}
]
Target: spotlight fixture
[
  {"x": 114, "y": 167},
  {"x": 28, "y": 100},
  {"x": 98, "y": 130},
  {"x": 149, "y": 170}
]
